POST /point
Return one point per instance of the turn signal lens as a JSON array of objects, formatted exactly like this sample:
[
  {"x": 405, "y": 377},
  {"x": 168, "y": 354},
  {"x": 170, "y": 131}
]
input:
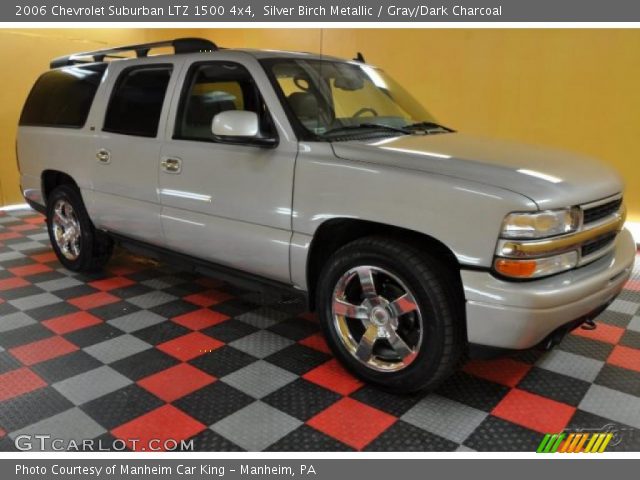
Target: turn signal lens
[
  {"x": 535, "y": 268},
  {"x": 515, "y": 268}
]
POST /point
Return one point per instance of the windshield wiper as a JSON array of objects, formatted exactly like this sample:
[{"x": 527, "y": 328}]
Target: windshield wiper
[
  {"x": 428, "y": 127},
  {"x": 369, "y": 126}
]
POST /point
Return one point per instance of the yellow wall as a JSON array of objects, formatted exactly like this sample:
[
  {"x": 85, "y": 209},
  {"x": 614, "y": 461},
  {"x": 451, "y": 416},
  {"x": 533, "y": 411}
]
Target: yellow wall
[{"x": 574, "y": 89}]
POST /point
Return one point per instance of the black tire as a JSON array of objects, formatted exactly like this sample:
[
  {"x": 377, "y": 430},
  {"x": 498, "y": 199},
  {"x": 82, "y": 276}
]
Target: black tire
[
  {"x": 95, "y": 247},
  {"x": 435, "y": 289}
]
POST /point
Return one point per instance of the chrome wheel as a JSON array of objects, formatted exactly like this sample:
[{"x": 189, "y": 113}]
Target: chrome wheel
[
  {"x": 66, "y": 229},
  {"x": 377, "y": 318}
]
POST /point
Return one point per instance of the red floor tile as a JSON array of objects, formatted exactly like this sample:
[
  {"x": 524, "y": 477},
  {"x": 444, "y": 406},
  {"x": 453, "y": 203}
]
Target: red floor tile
[
  {"x": 26, "y": 270},
  {"x": 190, "y": 346},
  {"x": 157, "y": 426},
  {"x": 200, "y": 319},
  {"x": 44, "y": 257},
  {"x": 625, "y": 357},
  {"x": 176, "y": 382},
  {"x": 352, "y": 422},
  {"x": 37, "y": 220},
  {"x": 11, "y": 283},
  {"x": 534, "y": 412},
  {"x": 505, "y": 371},
  {"x": 604, "y": 333},
  {"x": 208, "y": 298},
  {"x": 317, "y": 342},
  {"x": 25, "y": 227},
  {"x": 633, "y": 285},
  {"x": 93, "y": 300},
  {"x": 18, "y": 382},
  {"x": 42, "y": 350},
  {"x": 9, "y": 235},
  {"x": 111, "y": 283},
  {"x": 71, "y": 322},
  {"x": 333, "y": 376}
]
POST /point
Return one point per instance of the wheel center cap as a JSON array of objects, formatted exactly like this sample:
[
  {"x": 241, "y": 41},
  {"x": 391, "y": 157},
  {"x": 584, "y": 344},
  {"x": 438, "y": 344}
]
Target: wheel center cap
[{"x": 379, "y": 316}]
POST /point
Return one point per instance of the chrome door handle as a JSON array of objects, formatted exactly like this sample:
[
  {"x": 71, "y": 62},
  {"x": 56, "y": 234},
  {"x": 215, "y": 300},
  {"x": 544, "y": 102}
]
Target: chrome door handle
[
  {"x": 171, "y": 165},
  {"x": 103, "y": 155}
]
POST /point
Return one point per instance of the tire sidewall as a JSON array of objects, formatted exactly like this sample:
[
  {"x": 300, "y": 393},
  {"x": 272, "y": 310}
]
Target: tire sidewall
[
  {"x": 427, "y": 362},
  {"x": 72, "y": 196}
]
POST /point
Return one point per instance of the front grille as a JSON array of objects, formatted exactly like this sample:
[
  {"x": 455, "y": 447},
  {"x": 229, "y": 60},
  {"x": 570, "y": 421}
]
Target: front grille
[
  {"x": 594, "y": 214},
  {"x": 597, "y": 243}
]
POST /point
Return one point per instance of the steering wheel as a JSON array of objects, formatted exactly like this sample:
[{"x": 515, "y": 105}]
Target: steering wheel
[{"x": 364, "y": 110}]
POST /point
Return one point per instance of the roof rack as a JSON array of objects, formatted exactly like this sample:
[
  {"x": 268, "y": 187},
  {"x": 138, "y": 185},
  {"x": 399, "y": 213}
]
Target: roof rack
[{"x": 180, "y": 45}]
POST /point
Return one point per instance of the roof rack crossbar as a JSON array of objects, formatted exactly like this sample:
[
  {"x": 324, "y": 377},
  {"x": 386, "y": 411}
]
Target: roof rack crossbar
[{"x": 180, "y": 45}]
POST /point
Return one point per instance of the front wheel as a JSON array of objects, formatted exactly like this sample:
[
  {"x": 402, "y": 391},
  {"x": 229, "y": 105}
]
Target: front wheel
[
  {"x": 391, "y": 314},
  {"x": 76, "y": 242}
]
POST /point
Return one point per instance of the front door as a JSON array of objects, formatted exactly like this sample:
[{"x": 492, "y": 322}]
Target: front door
[{"x": 227, "y": 203}]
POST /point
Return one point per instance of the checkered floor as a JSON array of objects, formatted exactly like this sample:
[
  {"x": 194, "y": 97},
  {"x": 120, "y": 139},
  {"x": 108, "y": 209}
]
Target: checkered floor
[{"x": 144, "y": 351}]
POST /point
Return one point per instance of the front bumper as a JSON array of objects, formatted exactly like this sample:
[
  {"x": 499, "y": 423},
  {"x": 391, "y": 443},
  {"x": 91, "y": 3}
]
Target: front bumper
[{"x": 519, "y": 315}]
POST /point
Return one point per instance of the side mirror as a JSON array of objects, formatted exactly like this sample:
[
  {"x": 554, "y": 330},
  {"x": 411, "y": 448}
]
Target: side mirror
[{"x": 238, "y": 124}]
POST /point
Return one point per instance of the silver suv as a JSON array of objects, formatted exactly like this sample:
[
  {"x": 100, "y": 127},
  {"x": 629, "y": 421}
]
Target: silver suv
[{"x": 417, "y": 245}]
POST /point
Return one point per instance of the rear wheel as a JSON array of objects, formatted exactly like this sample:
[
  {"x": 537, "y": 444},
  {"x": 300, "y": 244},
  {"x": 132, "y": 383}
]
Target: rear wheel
[
  {"x": 76, "y": 242},
  {"x": 391, "y": 314}
]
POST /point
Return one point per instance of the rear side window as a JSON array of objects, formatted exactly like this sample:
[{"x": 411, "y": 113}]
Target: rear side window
[
  {"x": 136, "y": 101},
  {"x": 62, "y": 97}
]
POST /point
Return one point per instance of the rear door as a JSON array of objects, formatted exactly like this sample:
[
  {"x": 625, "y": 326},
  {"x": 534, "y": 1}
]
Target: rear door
[
  {"x": 127, "y": 148},
  {"x": 228, "y": 203}
]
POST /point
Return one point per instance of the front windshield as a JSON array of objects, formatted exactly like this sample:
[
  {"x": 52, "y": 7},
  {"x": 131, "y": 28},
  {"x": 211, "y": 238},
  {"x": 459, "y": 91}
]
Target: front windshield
[{"x": 329, "y": 98}]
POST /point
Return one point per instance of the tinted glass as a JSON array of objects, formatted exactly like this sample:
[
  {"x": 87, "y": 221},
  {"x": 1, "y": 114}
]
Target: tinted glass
[
  {"x": 326, "y": 95},
  {"x": 212, "y": 88},
  {"x": 62, "y": 97},
  {"x": 136, "y": 101}
]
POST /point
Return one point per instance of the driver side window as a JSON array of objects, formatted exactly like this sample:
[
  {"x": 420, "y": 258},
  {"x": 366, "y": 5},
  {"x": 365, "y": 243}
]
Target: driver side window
[{"x": 212, "y": 88}]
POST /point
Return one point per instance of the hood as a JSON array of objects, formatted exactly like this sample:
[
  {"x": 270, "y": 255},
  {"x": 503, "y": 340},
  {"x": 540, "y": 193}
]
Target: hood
[{"x": 551, "y": 178}]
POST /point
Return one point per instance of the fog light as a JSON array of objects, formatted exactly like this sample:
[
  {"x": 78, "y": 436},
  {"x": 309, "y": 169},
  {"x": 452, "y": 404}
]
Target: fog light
[{"x": 535, "y": 267}]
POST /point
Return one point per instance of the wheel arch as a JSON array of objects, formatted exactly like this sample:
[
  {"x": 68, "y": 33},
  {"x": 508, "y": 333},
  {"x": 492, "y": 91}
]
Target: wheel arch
[
  {"x": 337, "y": 232},
  {"x": 53, "y": 178}
]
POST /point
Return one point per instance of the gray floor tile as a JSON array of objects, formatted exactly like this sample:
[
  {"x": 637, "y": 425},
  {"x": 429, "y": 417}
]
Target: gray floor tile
[
  {"x": 571, "y": 364},
  {"x": 612, "y": 404},
  {"x": 92, "y": 384},
  {"x": 261, "y": 344},
  {"x": 59, "y": 284},
  {"x": 151, "y": 299},
  {"x": 624, "y": 306},
  {"x": 69, "y": 425},
  {"x": 256, "y": 426},
  {"x": 136, "y": 321},
  {"x": 15, "y": 320},
  {"x": 447, "y": 418},
  {"x": 259, "y": 379},
  {"x": 117, "y": 348},
  {"x": 6, "y": 256},
  {"x": 35, "y": 301}
]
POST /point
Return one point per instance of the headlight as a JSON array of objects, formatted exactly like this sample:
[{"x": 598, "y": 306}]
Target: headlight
[
  {"x": 535, "y": 267},
  {"x": 541, "y": 224}
]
